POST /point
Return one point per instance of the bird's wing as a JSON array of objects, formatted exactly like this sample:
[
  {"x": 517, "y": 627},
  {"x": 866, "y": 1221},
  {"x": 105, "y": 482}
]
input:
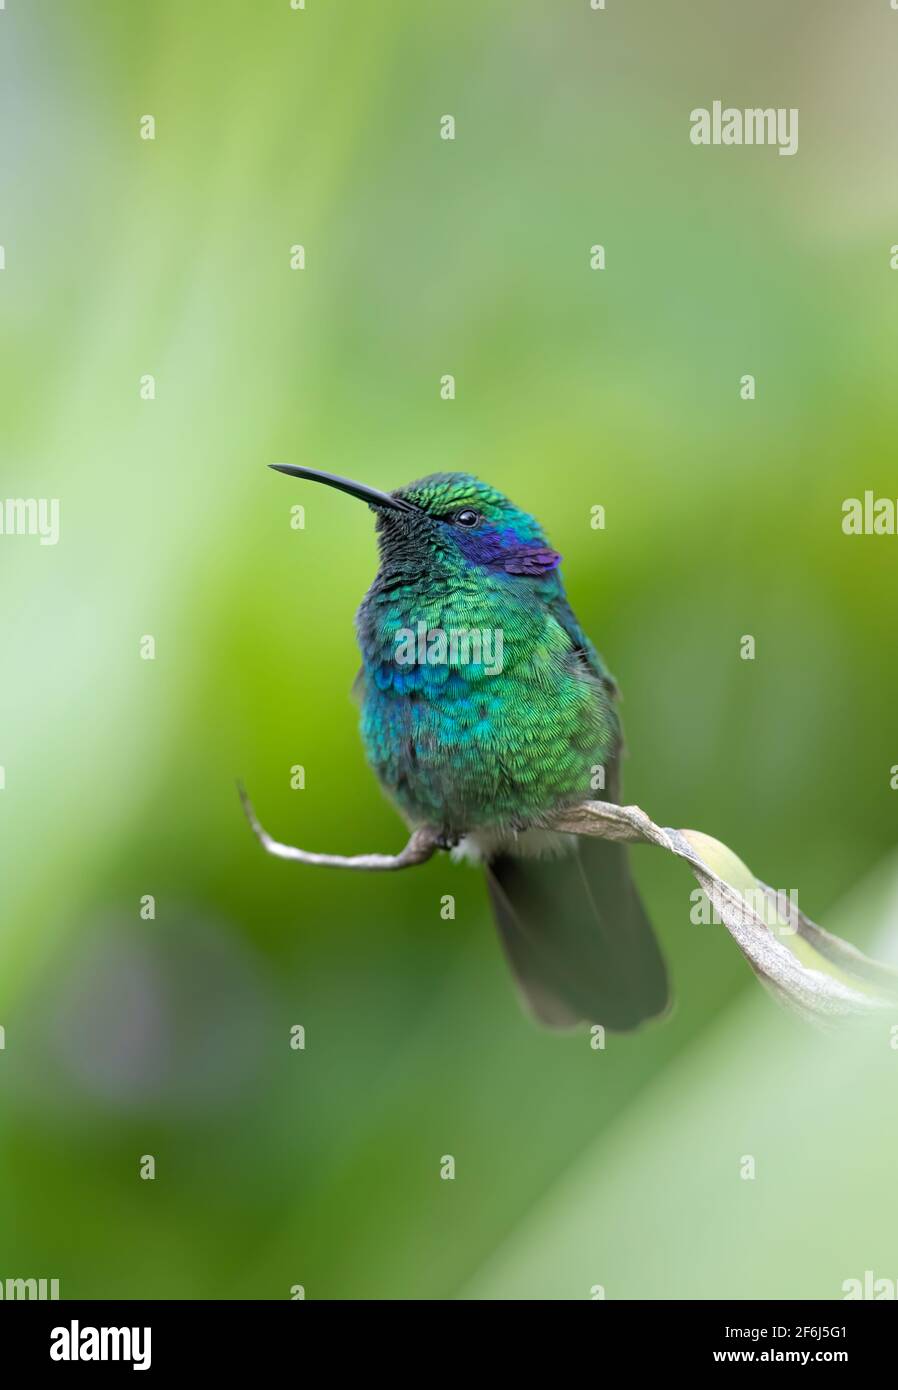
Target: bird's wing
[
  {"x": 357, "y": 689},
  {"x": 581, "y": 646}
]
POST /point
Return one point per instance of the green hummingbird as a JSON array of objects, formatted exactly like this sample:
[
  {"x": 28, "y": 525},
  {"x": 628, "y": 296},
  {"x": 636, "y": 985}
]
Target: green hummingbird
[{"x": 485, "y": 707}]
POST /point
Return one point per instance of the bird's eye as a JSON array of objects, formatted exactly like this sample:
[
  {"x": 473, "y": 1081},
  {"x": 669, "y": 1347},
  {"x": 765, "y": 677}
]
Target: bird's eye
[{"x": 467, "y": 517}]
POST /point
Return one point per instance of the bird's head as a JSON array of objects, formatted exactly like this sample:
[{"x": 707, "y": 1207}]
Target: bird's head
[{"x": 451, "y": 519}]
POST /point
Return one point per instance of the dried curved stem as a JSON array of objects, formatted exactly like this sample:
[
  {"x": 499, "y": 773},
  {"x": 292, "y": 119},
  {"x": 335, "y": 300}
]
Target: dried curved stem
[
  {"x": 840, "y": 981},
  {"x": 422, "y": 846}
]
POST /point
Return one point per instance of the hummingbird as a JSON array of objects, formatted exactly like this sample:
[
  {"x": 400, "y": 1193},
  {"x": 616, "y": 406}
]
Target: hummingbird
[{"x": 482, "y": 741}]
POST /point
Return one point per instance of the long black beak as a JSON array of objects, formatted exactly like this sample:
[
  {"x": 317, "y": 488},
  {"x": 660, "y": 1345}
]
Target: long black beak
[{"x": 371, "y": 495}]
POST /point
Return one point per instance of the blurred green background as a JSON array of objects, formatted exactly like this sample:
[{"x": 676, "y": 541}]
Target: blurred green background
[{"x": 171, "y": 1037}]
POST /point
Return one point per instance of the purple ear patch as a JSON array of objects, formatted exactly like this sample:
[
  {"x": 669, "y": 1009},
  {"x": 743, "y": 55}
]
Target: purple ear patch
[
  {"x": 507, "y": 550},
  {"x": 536, "y": 562}
]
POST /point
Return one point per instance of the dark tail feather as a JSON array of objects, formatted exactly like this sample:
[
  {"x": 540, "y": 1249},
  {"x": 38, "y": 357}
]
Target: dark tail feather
[{"x": 577, "y": 937}]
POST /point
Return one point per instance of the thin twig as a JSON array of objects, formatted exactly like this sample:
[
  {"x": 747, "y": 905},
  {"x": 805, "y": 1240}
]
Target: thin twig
[{"x": 422, "y": 846}]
